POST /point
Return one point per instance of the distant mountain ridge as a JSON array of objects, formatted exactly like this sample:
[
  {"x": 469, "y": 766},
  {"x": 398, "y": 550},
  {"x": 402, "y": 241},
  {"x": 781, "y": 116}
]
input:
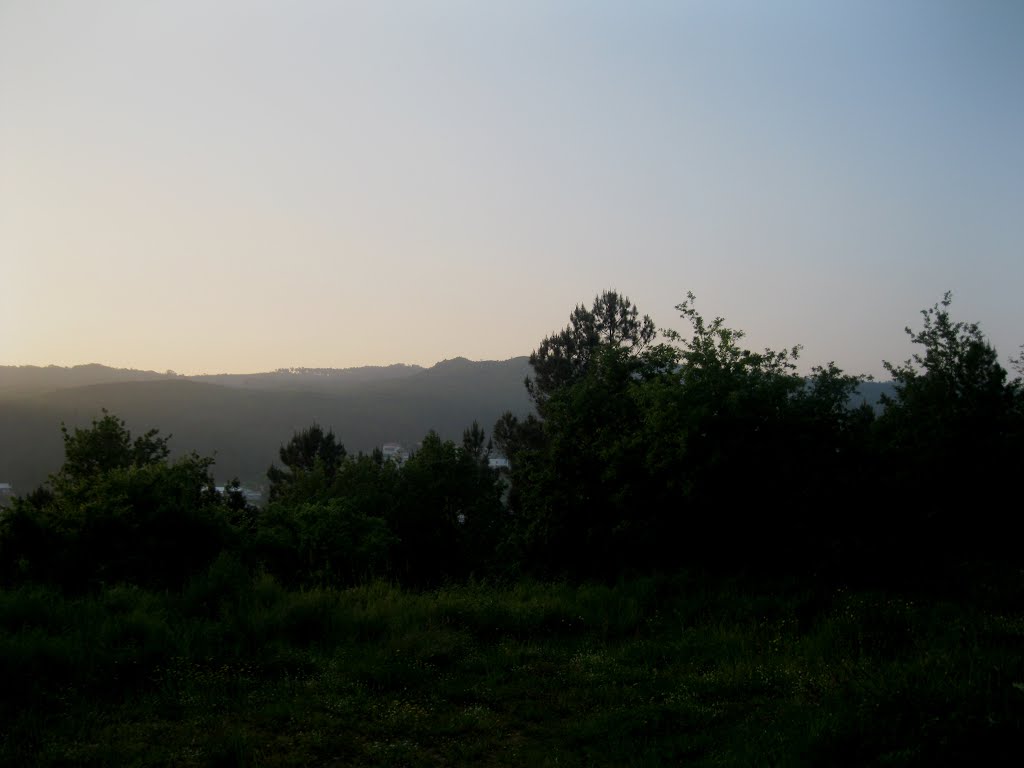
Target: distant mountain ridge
[
  {"x": 312, "y": 379},
  {"x": 19, "y": 380},
  {"x": 242, "y": 419},
  {"x": 32, "y": 379}
]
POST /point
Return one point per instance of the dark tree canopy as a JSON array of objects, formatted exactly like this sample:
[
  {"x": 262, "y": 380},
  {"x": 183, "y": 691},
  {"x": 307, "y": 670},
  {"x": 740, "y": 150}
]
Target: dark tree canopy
[
  {"x": 310, "y": 451},
  {"x": 957, "y": 376},
  {"x": 565, "y": 357},
  {"x": 118, "y": 511},
  {"x": 949, "y": 436},
  {"x": 108, "y": 445},
  {"x": 638, "y": 448}
]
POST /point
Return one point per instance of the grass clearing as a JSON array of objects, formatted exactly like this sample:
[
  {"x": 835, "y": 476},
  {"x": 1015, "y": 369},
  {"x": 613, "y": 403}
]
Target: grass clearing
[{"x": 237, "y": 671}]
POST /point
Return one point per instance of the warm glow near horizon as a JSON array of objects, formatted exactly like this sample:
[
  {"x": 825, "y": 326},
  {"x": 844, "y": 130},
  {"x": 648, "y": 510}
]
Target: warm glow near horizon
[{"x": 240, "y": 187}]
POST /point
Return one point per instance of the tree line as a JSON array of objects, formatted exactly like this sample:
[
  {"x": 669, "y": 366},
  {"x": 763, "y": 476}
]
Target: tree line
[{"x": 640, "y": 456}]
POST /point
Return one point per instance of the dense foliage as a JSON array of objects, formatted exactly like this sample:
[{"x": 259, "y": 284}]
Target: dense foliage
[
  {"x": 118, "y": 511},
  {"x": 699, "y": 451},
  {"x": 640, "y": 457}
]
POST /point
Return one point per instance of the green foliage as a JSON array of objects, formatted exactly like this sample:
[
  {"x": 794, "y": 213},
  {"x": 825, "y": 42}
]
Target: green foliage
[
  {"x": 117, "y": 511},
  {"x": 951, "y": 433},
  {"x": 712, "y": 353},
  {"x": 311, "y": 460},
  {"x": 749, "y": 450},
  {"x": 640, "y": 447},
  {"x": 565, "y": 357},
  {"x": 436, "y": 516},
  {"x": 577, "y": 467},
  {"x": 1018, "y": 364},
  {"x": 328, "y": 542},
  {"x": 106, "y": 446},
  {"x": 448, "y": 517},
  {"x": 955, "y": 389}
]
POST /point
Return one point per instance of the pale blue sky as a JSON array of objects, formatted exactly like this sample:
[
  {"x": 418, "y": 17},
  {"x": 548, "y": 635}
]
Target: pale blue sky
[{"x": 240, "y": 186}]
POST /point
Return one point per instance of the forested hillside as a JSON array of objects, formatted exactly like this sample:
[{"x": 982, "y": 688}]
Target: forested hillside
[{"x": 244, "y": 419}]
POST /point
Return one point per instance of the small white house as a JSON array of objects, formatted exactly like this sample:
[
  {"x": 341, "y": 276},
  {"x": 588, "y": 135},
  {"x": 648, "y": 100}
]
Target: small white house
[
  {"x": 394, "y": 452},
  {"x": 251, "y": 496},
  {"x": 497, "y": 461}
]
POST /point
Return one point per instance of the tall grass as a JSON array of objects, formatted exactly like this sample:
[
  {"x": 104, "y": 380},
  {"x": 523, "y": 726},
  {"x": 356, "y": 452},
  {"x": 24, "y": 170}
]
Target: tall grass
[{"x": 236, "y": 670}]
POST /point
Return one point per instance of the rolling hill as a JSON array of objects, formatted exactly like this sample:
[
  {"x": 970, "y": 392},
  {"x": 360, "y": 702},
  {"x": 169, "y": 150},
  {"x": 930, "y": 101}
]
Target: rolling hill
[{"x": 242, "y": 420}]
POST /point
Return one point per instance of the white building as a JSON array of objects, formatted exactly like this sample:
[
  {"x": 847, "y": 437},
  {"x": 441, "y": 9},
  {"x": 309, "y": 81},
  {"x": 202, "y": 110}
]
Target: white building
[
  {"x": 496, "y": 460},
  {"x": 394, "y": 452},
  {"x": 251, "y": 496}
]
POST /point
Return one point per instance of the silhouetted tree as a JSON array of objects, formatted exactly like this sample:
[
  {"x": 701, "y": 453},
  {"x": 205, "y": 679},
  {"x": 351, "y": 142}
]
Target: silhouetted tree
[
  {"x": 656, "y": 454},
  {"x": 311, "y": 460},
  {"x": 951, "y": 435},
  {"x": 755, "y": 465},
  {"x": 575, "y": 467},
  {"x": 1018, "y": 362},
  {"x": 107, "y": 445},
  {"x": 448, "y": 514},
  {"x": 565, "y": 357},
  {"x": 327, "y": 542},
  {"x": 118, "y": 511}
]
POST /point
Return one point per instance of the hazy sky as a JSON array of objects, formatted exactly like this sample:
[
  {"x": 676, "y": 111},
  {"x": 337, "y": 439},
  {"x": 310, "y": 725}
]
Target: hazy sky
[{"x": 241, "y": 186}]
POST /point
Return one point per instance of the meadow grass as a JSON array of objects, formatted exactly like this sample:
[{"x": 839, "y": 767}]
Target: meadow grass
[{"x": 236, "y": 670}]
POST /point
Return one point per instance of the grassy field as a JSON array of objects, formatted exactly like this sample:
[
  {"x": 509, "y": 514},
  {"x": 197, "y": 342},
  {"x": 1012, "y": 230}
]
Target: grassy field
[{"x": 672, "y": 671}]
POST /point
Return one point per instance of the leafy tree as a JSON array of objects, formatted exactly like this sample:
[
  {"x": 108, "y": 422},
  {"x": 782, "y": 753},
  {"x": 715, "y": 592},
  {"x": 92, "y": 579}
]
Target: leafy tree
[
  {"x": 1018, "y": 362},
  {"x": 311, "y": 459},
  {"x": 513, "y": 436},
  {"x": 656, "y": 454},
  {"x": 107, "y": 445},
  {"x": 241, "y": 514},
  {"x": 712, "y": 353},
  {"x": 118, "y": 511},
  {"x": 758, "y": 465},
  {"x": 957, "y": 377},
  {"x": 950, "y": 433},
  {"x": 483, "y": 522},
  {"x": 574, "y": 465},
  {"x": 474, "y": 447},
  {"x": 322, "y": 542},
  {"x": 436, "y": 516},
  {"x": 370, "y": 481},
  {"x": 448, "y": 515},
  {"x": 565, "y": 357}
]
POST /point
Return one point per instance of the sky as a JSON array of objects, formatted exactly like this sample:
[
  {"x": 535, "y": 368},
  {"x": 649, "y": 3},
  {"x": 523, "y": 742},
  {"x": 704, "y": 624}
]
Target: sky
[{"x": 245, "y": 185}]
